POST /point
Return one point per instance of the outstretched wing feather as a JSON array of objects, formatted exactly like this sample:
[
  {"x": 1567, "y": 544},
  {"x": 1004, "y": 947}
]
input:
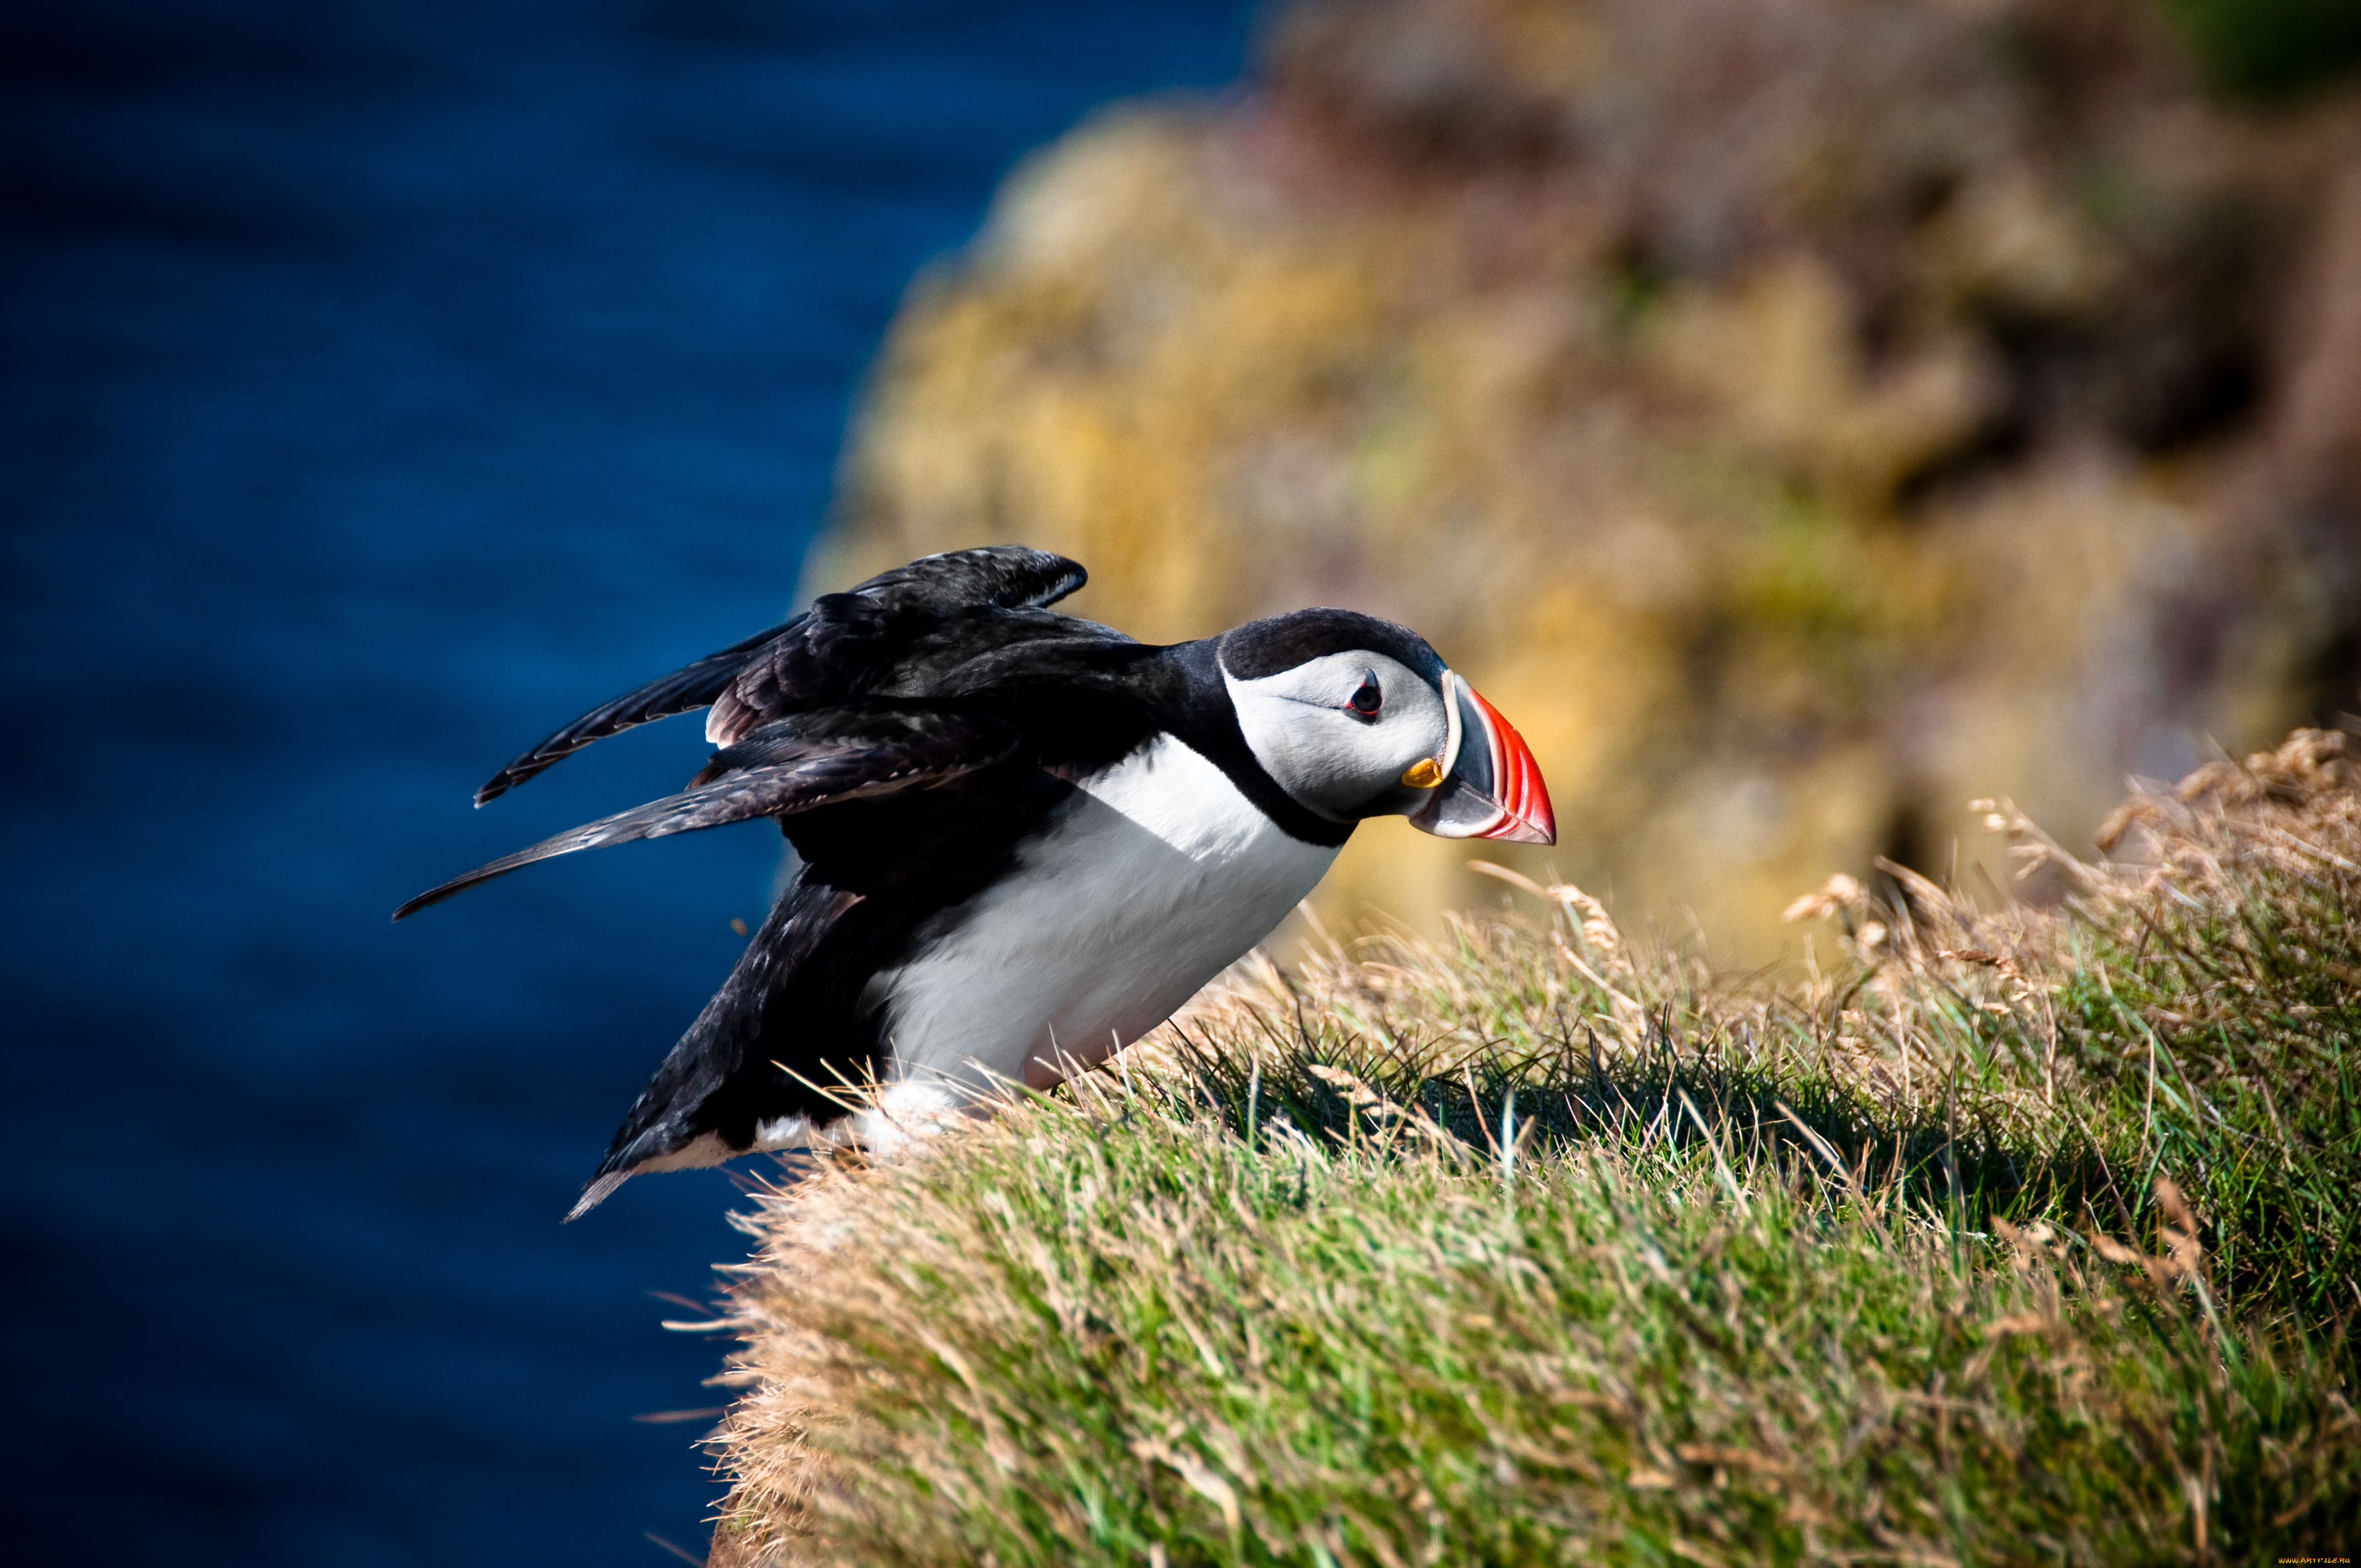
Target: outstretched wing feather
[
  {"x": 817, "y": 657},
  {"x": 841, "y": 645},
  {"x": 686, "y": 690},
  {"x": 861, "y": 754},
  {"x": 1006, "y": 576}
]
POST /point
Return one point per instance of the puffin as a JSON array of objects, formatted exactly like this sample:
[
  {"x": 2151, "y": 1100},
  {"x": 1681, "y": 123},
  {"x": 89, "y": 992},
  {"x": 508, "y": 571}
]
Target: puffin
[{"x": 1021, "y": 840}]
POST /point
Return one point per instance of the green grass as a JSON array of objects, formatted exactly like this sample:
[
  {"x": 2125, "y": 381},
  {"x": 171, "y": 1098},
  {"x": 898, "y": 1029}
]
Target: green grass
[{"x": 2011, "y": 1237}]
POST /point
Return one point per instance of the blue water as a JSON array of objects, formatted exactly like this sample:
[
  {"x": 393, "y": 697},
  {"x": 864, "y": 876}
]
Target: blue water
[{"x": 382, "y": 384}]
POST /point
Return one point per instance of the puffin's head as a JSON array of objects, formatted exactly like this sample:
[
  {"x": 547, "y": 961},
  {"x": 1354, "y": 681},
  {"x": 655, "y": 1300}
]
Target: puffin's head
[{"x": 1356, "y": 717}]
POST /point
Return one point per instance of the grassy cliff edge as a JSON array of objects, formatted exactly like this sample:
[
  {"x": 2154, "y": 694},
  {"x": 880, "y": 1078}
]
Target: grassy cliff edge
[{"x": 1998, "y": 1234}]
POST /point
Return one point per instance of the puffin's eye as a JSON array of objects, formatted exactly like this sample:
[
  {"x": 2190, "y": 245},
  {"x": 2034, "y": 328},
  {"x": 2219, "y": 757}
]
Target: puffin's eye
[{"x": 1364, "y": 703}]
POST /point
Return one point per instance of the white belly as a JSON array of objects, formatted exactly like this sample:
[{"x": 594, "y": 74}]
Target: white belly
[{"x": 1155, "y": 877}]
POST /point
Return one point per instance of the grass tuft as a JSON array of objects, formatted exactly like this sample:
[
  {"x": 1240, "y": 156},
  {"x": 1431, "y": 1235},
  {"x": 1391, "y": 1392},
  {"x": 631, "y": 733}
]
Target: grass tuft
[{"x": 2009, "y": 1235}]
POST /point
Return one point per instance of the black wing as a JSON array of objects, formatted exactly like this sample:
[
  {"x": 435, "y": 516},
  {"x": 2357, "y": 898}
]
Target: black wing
[
  {"x": 795, "y": 765},
  {"x": 847, "y": 641},
  {"x": 686, "y": 689},
  {"x": 1005, "y": 576},
  {"x": 817, "y": 657}
]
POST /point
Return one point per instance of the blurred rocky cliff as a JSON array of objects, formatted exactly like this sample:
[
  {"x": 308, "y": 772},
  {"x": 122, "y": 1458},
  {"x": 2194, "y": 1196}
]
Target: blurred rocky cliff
[{"x": 1798, "y": 416}]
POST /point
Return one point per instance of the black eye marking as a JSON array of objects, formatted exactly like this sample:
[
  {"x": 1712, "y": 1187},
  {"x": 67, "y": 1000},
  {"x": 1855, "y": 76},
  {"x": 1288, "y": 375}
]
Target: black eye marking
[{"x": 1364, "y": 703}]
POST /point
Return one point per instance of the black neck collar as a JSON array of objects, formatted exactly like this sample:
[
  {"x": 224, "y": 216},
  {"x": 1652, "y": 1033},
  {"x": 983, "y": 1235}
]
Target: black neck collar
[{"x": 1196, "y": 707}]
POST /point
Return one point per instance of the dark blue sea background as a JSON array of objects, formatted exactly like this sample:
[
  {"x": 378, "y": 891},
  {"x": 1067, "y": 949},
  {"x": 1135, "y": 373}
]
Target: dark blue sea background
[{"x": 383, "y": 384}]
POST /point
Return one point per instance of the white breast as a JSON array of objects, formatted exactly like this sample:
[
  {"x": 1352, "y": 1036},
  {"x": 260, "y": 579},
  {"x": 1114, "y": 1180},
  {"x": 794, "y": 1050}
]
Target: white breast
[{"x": 1157, "y": 876}]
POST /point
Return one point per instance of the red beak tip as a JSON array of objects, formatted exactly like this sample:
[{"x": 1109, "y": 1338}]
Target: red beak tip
[{"x": 1525, "y": 813}]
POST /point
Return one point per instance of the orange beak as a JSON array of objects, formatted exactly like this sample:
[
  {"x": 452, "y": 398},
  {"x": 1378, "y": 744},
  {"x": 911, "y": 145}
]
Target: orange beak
[{"x": 1492, "y": 787}]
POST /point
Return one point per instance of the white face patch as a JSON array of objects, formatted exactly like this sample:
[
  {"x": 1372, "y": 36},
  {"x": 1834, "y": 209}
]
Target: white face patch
[{"x": 1303, "y": 730}]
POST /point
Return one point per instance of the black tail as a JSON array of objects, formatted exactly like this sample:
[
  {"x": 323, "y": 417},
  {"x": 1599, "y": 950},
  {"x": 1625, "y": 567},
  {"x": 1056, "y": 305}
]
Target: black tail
[{"x": 752, "y": 1057}]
